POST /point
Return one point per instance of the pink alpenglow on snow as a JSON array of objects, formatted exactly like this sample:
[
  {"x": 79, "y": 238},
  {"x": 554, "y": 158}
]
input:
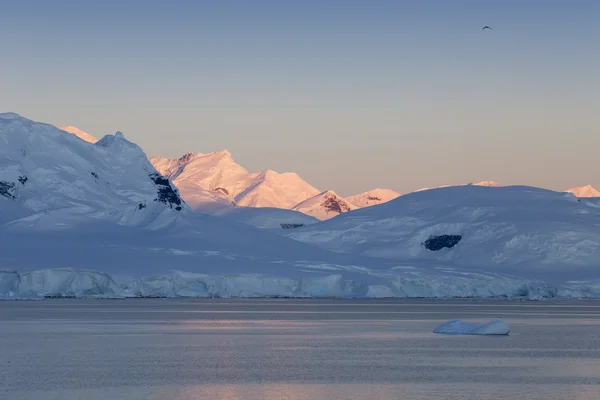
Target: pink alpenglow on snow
[
  {"x": 206, "y": 179},
  {"x": 79, "y": 133},
  {"x": 482, "y": 183},
  {"x": 325, "y": 205},
  {"x": 372, "y": 197},
  {"x": 584, "y": 191}
]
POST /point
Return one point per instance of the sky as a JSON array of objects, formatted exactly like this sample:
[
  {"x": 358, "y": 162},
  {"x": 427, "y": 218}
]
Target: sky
[{"x": 351, "y": 95}]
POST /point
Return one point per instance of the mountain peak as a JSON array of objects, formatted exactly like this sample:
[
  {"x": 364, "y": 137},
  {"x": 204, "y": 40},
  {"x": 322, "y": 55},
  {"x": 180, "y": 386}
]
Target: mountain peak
[
  {"x": 328, "y": 193},
  {"x": 49, "y": 169},
  {"x": 324, "y": 205},
  {"x": 584, "y": 191},
  {"x": 223, "y": 152},
  {"x": 117, "y": 144},
  {"x": 9, "y": 115}
]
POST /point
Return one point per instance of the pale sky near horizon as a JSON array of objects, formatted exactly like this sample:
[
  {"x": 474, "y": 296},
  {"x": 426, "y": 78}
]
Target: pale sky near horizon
[{"x": 351, "y": 95}]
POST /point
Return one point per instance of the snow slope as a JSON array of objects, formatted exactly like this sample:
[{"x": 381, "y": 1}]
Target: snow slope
[
  {"x": 267, "y": 218},
  {"x": 204, "y": 179},
  {"x": 76, "y": 218},
  {"x": 271, "y": 189},
  {"x": 324, "y": 205},
  {"x": 82, "y": 219},
  {"x": 524, "y": 230},
  {"x": 584, "y": 191},
  {"x": 52, "y": 179},
  {"x": 372, "y": 197},
  {"x": 485, "y": 183},
  {"x": 482, "y": 183},
  {"x": 79, "y": 133}
]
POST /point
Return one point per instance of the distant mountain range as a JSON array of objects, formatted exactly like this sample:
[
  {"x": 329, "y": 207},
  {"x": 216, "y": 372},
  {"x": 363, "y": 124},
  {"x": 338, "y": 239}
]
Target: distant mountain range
[
  {"x": 207, "y": 178},
  {"x": 584, "y": 191},
  {"x": 214, "y": 182}
]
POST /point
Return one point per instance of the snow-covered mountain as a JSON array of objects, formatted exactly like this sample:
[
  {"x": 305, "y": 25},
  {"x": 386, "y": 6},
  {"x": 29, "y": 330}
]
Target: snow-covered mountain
[
  {"x": 97, "y": 219},
  {"x": 79, "y": 133},
  {"x": 83, "y": 219},
  {"x": 204, "y": 179},
  {"x": 584, "y": 191},
  {"x": 56, "y": 179},
  {"x": 515, "y": 229},
  {"x": 324, "y": 205},
  {"x": 372, "y": 197}
]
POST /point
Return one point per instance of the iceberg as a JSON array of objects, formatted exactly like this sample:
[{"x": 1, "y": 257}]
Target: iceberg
[{"x": 458, "y": 327}]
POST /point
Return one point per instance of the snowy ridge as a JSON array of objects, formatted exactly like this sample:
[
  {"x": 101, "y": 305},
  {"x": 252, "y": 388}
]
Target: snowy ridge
[
  {"x": 482, "y": 183},
  {"x": 267, "y": 218},
  {"x": 271, "y": 189},
  {"x": 50, "y": 179},
  {"x": 324, "y": 206},
  {"x": 205, "y": 179},
  {"x": 486, "y": 184},
  {"x": 584, "y": 191},
  {"x": 522, "y": 230},
  {"x": 79, "y": 133},
  {"x": 372, "y": 198}
]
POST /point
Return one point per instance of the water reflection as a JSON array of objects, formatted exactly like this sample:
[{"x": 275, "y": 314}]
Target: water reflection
[
  {"x": 114, "y": 354},
  {"x": 480, "y": 391}
]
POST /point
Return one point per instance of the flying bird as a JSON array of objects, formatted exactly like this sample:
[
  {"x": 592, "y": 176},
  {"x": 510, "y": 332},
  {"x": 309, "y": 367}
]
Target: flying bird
[{"x": 485, "y": 27}]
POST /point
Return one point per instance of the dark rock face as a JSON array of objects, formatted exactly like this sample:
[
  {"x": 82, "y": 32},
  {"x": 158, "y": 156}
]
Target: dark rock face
[
  {"x": 334, "y": 205},
  {"x": 95, "y": 175},
  {"x": 185, "y": 158},
  {"x": 7, "y": 189},
  {"x": 435, "y": 243},
  {"x": 291, "y": 226},
  {"x": 373, "y": 198},
  {"x": 166, "y": 194},
  {"x": 23, "y": 179},
  {"x": 141, "y": 206}
]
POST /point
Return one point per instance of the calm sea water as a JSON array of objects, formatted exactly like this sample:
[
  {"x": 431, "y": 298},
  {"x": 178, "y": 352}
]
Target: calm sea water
[{"x": 295, "y": 349}]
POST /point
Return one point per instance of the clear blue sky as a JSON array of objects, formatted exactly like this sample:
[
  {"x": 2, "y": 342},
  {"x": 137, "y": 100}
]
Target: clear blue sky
[{"x": 352, "y": 95}]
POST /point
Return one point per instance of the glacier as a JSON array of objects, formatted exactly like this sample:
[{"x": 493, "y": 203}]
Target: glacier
[
  {"x": 96, "y": 219},
  {"x": 66, "y": 282}
]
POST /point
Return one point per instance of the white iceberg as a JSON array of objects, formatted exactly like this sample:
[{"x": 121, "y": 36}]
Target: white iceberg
[{"x": 458, "y": 327}]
